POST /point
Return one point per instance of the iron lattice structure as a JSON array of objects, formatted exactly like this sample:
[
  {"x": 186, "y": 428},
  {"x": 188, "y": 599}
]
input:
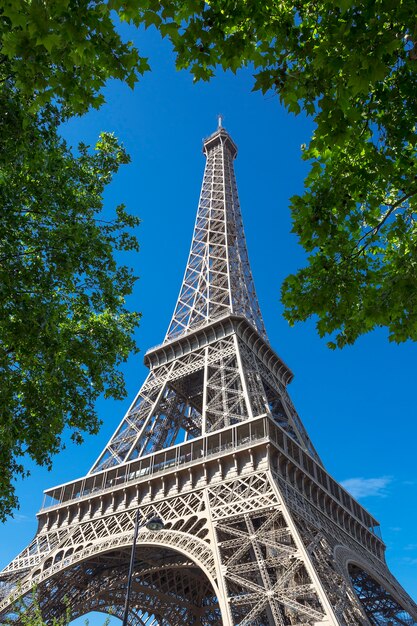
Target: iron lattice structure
[{"x": 257, "y": 533}]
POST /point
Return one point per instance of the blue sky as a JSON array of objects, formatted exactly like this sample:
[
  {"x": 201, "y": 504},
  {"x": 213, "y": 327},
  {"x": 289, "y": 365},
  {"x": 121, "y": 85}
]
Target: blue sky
[{"x": 358, "y": 404}]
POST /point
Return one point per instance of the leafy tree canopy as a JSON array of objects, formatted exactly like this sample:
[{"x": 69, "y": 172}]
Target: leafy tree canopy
[
  {"x": 63, "y": 51},
  {"x": 64, "y": 328}
]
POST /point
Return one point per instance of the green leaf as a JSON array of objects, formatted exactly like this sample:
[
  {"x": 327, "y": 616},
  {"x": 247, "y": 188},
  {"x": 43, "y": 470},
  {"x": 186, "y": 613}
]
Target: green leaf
[{"x": 51, "y": 41}]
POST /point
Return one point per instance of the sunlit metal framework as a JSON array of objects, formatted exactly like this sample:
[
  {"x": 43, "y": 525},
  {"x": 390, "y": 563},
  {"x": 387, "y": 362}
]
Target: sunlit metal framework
[{"x": 257, "y": 533}]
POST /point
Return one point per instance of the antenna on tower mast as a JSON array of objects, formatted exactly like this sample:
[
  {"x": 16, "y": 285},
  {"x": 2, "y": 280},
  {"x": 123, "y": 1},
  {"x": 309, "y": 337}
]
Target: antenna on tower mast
[{"x": 220, "y": 121}]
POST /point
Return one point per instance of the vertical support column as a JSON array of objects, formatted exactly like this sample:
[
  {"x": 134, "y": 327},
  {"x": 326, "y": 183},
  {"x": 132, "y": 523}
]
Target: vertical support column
[
  {"x": 205, "y": 379},
  {"x": 243, "y": 377},
  {"x": 330, "y": 615},
  {"x": 223, "y": 596}
]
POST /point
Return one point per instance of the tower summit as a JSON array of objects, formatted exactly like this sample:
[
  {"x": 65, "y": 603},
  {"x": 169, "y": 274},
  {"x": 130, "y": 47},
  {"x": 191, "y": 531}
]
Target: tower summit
[
  {"x": 218, "y": 279},
  {"x": 256, "y": 532}
]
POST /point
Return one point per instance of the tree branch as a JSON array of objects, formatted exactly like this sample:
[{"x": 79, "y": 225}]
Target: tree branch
[{"x": 378, "y": 227}]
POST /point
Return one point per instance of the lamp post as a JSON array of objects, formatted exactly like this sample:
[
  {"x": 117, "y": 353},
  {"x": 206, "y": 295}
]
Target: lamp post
[{"x": 154, "y": 523}]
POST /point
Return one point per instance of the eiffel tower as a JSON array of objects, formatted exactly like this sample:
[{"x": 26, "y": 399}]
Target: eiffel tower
[{"x": 256, "y": 532}]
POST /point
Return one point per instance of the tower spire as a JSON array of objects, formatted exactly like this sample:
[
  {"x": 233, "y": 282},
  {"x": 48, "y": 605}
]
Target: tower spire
[{"x": 217, "y": 280}]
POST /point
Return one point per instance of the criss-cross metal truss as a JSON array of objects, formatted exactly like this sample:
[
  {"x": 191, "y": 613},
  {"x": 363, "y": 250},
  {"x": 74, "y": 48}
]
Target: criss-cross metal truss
[
  {"x": 256, "y": 533},
  {"x": 218, "y": 280}
]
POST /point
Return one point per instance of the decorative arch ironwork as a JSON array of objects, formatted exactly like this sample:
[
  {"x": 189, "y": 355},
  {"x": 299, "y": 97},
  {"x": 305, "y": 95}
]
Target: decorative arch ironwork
[{"x": 381, "y": 608}]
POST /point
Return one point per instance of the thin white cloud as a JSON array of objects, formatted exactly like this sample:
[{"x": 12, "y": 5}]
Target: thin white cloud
[
  {"x": 18, "y": 517},
  {"x": 364, "y": 487}
]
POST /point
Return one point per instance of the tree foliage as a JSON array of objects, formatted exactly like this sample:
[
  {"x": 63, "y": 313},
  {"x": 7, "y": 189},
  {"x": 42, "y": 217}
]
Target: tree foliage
[
  {"x": 28, "y": 612},
  {"x": 64, "y": 51},
  {"x": 64, "y": 327},
  {"x": 352, "y": 67}
]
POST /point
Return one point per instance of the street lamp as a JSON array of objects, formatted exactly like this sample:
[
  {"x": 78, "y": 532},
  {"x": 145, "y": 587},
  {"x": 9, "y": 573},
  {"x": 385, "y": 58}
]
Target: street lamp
[{"x": 154, "y": 523}]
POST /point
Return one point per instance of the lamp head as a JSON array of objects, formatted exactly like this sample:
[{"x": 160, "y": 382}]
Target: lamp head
[{"x": 155, "y": 523}]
